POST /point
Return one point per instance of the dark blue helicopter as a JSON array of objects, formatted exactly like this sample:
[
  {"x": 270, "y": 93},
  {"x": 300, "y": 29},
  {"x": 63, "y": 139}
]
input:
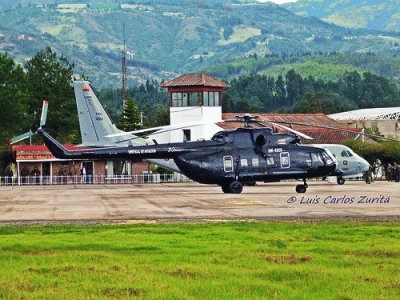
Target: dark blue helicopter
[{"x": 230, "y": 159}]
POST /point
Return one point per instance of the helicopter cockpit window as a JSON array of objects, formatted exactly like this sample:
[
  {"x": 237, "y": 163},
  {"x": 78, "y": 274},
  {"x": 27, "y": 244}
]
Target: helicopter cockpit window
[
  {"x": 317, "y": 160},
  {"x": 228, "y": 163},
  {"x": 219, "y": 138},
  {"x": 261, "y": 140}
]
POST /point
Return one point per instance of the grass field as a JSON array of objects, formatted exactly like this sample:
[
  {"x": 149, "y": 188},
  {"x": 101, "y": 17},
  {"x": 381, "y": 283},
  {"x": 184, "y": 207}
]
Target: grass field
[{"x": 202, "y": 261}]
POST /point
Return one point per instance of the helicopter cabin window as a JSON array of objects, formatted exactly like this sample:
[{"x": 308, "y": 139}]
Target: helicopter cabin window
[
  {"x": 243, "y": 162},
  {"x": 228, "y": 163},
  {"x": 255, "y": 162},
  {"x": 270, "y": 161},
  {"x": 285, "y": 160}
]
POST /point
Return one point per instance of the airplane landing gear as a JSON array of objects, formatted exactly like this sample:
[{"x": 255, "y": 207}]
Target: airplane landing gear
[
  {"x": 340, "y": 180},
  {"x": 235, "y": 187},
  {"x": 302, "y": 188}
]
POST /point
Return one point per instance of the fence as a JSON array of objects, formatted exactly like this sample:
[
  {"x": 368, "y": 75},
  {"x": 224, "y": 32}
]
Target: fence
[{"x": 97, "y": 179}]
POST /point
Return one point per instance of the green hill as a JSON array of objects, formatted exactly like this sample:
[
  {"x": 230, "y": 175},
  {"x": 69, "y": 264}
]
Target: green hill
[
  {"x": 371, "y": 14},
  {"x": 170, "y": 37},
  {"x": 329, "y": 66}
]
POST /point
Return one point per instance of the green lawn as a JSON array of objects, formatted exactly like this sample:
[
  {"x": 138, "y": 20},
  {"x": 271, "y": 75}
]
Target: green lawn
[{"x": 202, "y": 261}]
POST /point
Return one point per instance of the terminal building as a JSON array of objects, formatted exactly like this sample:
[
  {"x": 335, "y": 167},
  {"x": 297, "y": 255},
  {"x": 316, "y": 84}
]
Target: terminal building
[{"x": 383, "y": 121}]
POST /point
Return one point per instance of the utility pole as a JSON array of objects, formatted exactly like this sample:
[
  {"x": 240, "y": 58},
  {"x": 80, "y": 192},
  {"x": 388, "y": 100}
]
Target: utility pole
[{"x": 124, "y": 78}]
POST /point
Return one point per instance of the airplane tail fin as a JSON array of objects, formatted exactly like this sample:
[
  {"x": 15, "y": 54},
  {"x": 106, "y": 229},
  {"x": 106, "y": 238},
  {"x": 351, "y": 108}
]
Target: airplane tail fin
[{"x": 94, "y": 122}]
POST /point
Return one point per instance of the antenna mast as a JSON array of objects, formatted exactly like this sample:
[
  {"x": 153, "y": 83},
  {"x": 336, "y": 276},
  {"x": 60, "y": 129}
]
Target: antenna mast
[{"x": 124, "y": 78}]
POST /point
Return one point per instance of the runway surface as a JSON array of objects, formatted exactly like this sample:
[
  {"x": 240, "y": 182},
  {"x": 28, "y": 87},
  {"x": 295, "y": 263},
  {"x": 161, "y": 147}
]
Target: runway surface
[{"x": 192, "y": 202}]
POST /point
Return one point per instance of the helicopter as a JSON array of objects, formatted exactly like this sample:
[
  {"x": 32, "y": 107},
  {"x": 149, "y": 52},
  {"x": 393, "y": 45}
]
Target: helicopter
[
  {"x": 230, "y": 159},
  {"x": 97, "y": 130}
]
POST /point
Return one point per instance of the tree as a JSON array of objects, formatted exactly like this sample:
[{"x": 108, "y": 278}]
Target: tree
[
  {"x": 48, "y": 77},
  {"x": 294, "y": 87},
  {"x": 13, "y": 97},
  {"x": 162, "y": 116},
  {"x": 131, "y": 116}
]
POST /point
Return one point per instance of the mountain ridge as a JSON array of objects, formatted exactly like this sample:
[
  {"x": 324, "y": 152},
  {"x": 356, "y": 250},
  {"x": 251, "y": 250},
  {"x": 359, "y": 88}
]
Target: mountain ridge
[
  {"x": 169, "y": 38},
  {"x": 373, "y": 14}
]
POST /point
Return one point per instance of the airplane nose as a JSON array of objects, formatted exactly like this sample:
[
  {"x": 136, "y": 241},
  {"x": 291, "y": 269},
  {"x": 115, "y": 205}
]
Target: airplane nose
[{"x": 364, "y": 167}]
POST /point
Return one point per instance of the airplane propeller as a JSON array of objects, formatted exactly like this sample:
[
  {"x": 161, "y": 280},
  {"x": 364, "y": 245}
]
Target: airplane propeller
[{"x": 43, "y": 119}]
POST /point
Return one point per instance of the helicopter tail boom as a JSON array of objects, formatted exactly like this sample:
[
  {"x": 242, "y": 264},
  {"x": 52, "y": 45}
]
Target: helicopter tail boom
[{"x": 169, "y": 151}]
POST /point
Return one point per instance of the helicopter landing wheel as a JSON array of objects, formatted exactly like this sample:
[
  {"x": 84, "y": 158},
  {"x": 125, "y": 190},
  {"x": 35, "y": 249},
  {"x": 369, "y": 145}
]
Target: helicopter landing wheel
[
  {"x": 235, "y": 187},
  {"x": 301, "y": 188},
  {"x": 340, "y": 180},
  {"x": 305, "y": 183},
  {"x": 225, "y": 189}
]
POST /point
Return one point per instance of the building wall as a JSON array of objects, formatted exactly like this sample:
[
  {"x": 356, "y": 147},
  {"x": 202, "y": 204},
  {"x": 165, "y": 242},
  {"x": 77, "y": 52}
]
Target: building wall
[
  {"x": 140, "y": 167},
  {"x": 387, "y": 128},
  {"x": 205, "y": 116}
]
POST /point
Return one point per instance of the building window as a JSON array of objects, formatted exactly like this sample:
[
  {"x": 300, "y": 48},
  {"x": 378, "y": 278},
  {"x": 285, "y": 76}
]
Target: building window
[
  {"x": 186, "y": 135},
  {"x": 216, "y": 99},
  {"x": 211, "y": 99},
  {"x": 205, "y": 95},
  {"x": 195, "y": 99},
  {"x": 185, "y": 99},
  {"x": 176, "y": 99}
]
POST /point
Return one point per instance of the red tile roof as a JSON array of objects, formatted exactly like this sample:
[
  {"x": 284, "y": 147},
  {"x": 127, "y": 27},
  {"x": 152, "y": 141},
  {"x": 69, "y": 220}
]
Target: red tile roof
[
  {"x": 37, "y": 152},
  {"x": 40, "y": 148},
  {"x": 330, "y": 136},
  {"x": 195, "y": 79}
]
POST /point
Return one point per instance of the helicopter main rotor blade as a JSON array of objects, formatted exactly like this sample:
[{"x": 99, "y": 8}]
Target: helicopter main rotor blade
[
  {"x": 296, "y": 132},
  {"x": 338, "y": 129},
  {"x": 158, "y": 129}
]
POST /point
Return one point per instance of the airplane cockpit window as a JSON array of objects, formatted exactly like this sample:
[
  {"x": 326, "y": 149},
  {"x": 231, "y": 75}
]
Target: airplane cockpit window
[
  {"x": 344, "y": 153},
  {"x": 349, "y": 153}
]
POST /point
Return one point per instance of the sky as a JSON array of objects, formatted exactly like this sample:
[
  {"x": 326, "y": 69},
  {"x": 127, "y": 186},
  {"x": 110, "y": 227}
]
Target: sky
[{"x": 278, "y": 1}]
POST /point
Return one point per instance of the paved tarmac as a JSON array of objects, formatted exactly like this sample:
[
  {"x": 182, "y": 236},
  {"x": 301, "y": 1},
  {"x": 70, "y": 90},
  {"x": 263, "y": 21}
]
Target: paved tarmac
[{"x": 192, "y": 202}]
